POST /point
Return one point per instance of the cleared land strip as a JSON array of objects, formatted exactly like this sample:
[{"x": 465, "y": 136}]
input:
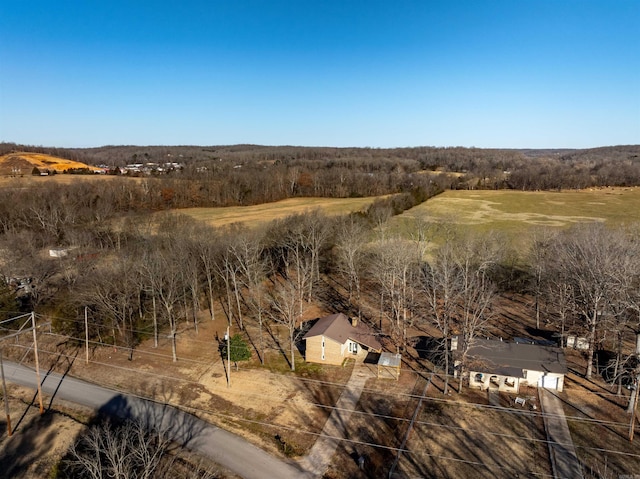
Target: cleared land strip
[{"x": 263, "y": 213}]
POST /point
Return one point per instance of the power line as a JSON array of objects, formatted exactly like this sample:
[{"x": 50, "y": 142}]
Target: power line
[
  {"x": 328, "y": 383},
  {"x": 408, "y": 397},
  {"x": 365, "y": 443},
  {"x": 333, "y": 384},
  {"x": 368, "y": 390}
]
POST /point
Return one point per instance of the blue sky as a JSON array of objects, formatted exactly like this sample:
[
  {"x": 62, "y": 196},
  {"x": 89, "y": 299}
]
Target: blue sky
[{"x": 512, "y": 74}]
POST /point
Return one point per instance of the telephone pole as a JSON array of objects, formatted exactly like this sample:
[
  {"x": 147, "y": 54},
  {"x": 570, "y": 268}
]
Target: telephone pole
[
  {"x": 6, "y": 398},
  {"x": 86, "y": 337},
  {"x": 634, "y": 397},
  {"x": 228, "y": 358},
  {"x": 35, "y": 350}
]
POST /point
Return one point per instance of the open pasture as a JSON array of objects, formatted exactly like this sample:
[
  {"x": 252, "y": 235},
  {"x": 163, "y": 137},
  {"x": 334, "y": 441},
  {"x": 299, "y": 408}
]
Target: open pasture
[
  {"x": 29, "y": 181},
  {"x": 263, "y": 213},
  {"x": 517, "y": 212}
]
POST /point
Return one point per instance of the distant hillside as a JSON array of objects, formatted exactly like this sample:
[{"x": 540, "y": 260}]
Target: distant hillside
[{"x": 22, "y": 163}]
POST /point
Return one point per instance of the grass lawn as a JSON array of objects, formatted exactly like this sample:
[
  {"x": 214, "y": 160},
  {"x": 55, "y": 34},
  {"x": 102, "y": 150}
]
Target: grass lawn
[
  {"x": 259, "y": 214},
  {"x": 514, "y": 213}
]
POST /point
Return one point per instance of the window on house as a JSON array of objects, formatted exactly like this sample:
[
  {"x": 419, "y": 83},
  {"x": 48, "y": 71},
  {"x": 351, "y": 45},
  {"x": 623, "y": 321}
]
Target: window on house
[
  {"x": 478, "y": 378},
  {"x": 510, "y": 382}
]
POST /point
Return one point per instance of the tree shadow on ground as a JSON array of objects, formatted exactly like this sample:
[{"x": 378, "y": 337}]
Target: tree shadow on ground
[
  {"x": 36, "y": 434},
  {"x": 169, "y": 424}
]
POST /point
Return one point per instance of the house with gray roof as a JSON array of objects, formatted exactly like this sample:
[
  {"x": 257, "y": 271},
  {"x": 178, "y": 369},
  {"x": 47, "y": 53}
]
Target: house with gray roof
[
  {"x": 334, "y": 338},
  {"x": 507, "y": 365}
]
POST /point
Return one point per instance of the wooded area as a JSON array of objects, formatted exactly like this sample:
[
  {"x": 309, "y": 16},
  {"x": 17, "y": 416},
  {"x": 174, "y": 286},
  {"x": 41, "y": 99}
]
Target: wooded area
[
  {"x": 135, "y": 271},
  {"x": 142, "y": 275}
]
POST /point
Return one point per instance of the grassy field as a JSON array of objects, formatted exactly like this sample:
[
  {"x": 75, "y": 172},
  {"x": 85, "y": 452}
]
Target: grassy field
[
  {"x": 260, "y": 214},
  {"x": 28, "y": 181},
  {"x": 515, "y": 213}
]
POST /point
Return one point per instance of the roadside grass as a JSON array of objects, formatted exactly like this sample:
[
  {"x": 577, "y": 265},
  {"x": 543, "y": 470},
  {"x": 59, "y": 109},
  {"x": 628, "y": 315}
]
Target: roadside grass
[
  {"x": 517, "y": 213},
  {"x": 263, "y": 213}
]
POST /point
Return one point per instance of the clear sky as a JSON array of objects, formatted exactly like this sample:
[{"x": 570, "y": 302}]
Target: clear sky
[{"x": 485, "y": 73}]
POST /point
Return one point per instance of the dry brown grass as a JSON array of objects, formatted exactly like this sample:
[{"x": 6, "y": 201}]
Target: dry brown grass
[
  {"x": 517, "y": 213},
  {"x": 260, "y": 214}
]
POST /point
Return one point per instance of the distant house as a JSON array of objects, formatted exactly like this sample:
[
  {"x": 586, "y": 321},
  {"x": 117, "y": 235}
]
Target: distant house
[
  {"x": 334, "y": 338},
  {"x": 506, "y": 366},
  {"x": 59, "y": 252}
]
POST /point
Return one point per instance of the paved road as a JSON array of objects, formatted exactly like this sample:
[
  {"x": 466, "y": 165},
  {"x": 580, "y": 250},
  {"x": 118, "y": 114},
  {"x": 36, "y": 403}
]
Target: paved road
[
  {"x": 221, "y": 446},
  {"x": 561, "y": 449}
]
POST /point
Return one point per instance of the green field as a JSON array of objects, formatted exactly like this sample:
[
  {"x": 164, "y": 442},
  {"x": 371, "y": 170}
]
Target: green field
[
  {"x": 517, "y": 212},
  {"x": 260, "y": 214}
]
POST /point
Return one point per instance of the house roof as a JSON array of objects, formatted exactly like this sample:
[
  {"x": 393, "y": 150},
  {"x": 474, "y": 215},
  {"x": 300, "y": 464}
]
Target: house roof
[
  {"x": 512, "y": 359},
  {"x": 339, "y": 328}
]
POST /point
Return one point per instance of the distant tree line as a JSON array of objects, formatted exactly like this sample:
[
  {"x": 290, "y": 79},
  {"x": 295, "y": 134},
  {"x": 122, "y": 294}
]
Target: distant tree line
[{"x": 363, "y": 171}]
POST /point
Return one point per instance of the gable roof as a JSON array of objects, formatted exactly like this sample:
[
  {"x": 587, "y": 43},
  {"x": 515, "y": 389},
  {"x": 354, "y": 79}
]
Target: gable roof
[
  {"x": 512, "y": 359},
  {"x": 339, "y": 328}
]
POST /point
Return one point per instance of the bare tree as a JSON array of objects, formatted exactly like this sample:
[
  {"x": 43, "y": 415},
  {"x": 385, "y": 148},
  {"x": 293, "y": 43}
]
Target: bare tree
[
  {"x": 291, "y": 255},
  {"x": 351, "y": 238},
  {"x": 594, "y": 261},
  {"x": 207, "y": 249},
  {"x": 162, "y": 270},
  {"x": 395, "y": 267},
  {"x": 477, "y": 298},
  {"x": 441, "y": 288},
  {"x": 248, "y": 250},
  {"x": 538, "y": 256},
  {"x": 129, "y": 450},
  {"x": 113, "y": 292},
  {"x": 314, "y": 237},
  {"x": 285, "y": 310},
  {"x": 561, "y": 304},
  {"x": 228, "y": 270},
  {"x": 459, "y": 293}
]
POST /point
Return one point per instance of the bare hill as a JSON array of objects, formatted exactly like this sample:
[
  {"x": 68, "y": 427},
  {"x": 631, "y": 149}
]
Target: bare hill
[{"x": 23, "y": 163}]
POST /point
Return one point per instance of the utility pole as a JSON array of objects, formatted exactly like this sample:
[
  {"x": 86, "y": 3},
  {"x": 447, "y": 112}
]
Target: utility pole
[
  {"x": 635, "y": 406},
  {"x": 86, "y": 337},
  {"x": 6, "y": 398},
  {"x": 228, "y": 358},
  {"x": 35, "y": 350}
]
